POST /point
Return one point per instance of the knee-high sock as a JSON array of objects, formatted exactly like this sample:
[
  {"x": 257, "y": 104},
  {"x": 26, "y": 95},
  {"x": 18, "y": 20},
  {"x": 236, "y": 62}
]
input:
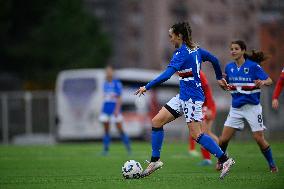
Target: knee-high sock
[
  {"x": 126, "y": 141},
  {"x": 191, "y": 143},
  {"x": 224, "y": 146},
  {"x": 157, "y": 141},
  {"x": 209, "y": 144},
  {"x": 268, "y": 156},
  {"x": 106, "y": 141},
  {"x": 205, "y": 153}
]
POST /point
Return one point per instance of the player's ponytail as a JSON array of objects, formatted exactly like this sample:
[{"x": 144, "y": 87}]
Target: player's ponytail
[
  {"x": 254, "y": 55},
  {"x": 184, "y": 29}
]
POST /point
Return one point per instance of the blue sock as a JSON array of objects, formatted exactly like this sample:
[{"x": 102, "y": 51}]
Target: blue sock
[
  {"x": 157, "y": 141},
  {"x": 106, "y": 141},
  {"x": 210, "y": 145},
  {"x": 126, "y": 141},
  {"x": 268, "y": 156}
]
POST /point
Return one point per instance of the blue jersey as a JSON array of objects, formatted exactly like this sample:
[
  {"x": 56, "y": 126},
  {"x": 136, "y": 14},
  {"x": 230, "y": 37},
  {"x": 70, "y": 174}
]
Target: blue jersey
[
  {"x": 112, "y": 90},
  {"x": 188, "y": 63},
  {"x": 241, "y": 79}
]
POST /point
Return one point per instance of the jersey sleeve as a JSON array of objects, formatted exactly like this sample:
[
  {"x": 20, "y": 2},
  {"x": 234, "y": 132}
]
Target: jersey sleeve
[
  {"x": 167, "y": 74},
  {"x": 226, "y": 73},
  {"x": 260, "y": 73},
  {"x": 279, "y": 86},
  {"x": 207, "y": 56},
  {"x": 177, "y": 60}
]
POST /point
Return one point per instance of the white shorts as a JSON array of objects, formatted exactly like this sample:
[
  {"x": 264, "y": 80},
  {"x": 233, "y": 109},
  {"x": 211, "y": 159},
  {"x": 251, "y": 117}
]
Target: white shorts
[
  {"x": 249, "y": 112},
  {"x": 192, "y": 111},
  {"x": 110, "y": 118}
]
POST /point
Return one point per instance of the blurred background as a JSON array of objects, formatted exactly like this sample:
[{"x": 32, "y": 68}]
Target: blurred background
[{"x": 40, "y": 40}]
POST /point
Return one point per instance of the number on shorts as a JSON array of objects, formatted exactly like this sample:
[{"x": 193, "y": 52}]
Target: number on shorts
[
  {"x": 259, "y": 118},
  {"x": 185, "y": 112}
]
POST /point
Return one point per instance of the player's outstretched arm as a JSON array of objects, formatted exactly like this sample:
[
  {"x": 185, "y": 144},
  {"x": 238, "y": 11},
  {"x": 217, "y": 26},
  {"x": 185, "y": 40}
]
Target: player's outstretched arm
[
  {"x": 160, "y": 79},
  {"x": 206, "y": 56}
]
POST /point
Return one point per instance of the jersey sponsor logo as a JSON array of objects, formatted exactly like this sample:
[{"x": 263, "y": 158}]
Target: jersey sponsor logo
[{"x": 246, "y": 79}]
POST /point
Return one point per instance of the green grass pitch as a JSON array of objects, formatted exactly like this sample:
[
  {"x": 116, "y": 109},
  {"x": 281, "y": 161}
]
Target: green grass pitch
[{"x": 82, "y": 166}]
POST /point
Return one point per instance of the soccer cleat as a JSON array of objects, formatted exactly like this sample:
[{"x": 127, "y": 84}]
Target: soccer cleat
[
  {"x": 273, "y": 169},
  {"x": 226, "y": 167},
  {"x": 152, "y": 166},
  {"x": 218, "y": 166},
  {"x": 193, "y": 153}
]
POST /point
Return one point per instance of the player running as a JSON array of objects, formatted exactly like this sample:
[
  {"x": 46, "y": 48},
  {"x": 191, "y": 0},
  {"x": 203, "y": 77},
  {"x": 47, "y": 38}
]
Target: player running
[
  {"x": 277, "y": 91},
  {"x": 111, "y": 110},
  {"x": 187, "y": 61},
  {"x": 246, "y": 77},
  {"x": 209, "y": 111}
]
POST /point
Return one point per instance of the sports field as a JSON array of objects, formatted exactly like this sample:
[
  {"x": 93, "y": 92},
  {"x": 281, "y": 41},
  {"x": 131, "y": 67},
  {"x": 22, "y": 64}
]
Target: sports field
[{"x": 82, "y": 166}]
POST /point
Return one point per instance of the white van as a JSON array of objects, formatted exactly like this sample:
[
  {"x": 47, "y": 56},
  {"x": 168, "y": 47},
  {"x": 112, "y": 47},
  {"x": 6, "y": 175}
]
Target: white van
[{"x": 79, "y": 96}]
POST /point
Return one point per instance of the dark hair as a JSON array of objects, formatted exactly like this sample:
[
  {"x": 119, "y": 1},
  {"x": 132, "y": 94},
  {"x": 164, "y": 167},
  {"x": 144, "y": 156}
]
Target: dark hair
[
  {"x": 254, "y": 55},
  {"x": 184, "y": 29}
]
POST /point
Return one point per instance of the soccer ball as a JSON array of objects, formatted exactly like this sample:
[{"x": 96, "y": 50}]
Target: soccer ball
[{"x": 131, "y": 169}]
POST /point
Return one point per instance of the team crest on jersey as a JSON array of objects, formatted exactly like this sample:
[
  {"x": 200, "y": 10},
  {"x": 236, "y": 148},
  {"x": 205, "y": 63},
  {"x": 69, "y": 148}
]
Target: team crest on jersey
[
  {"x": 232, "y": 70},
  {"x": 246, "y": 70}
]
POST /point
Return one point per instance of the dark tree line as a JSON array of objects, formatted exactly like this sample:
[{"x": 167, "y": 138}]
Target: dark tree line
[{"x": 38, "y": 38}]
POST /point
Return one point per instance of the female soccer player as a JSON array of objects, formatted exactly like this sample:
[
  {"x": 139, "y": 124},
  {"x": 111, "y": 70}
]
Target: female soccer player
[
  {"x": 277, "y": 91},
  {"x": 187, "y": 61},
  {"x": 246, "y": 77},
  {"x": 111, "y": 110},
  {"x": 209, "y": 111}
]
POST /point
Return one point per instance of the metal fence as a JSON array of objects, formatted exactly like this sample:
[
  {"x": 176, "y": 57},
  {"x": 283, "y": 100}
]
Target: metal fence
[{"x": 27, "y": 117}]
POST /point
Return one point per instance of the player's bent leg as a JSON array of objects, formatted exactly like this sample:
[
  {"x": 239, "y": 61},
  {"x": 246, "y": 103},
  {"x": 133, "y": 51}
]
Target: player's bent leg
[
  {"x": 162, "y": 118},
  {"x": 203, "y": 139},
  {"x": 224, "y": 139},
  {"x": 266, "y": 150},
  {"x": 209, "y": 144},
  {"x": 207, "y": 129}
]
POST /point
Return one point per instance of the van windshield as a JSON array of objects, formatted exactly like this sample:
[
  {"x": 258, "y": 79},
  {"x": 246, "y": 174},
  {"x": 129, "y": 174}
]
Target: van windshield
[{"x": 79, "y": 86}]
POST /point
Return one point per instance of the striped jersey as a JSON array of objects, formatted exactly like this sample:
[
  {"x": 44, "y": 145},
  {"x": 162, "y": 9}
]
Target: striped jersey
[
  {"x": 241, "y": 80},
  {"x": 187, "y": 63}
]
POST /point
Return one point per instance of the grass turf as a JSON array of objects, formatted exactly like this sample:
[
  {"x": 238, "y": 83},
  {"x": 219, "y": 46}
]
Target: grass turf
[{"x": 82, "y": 166}]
